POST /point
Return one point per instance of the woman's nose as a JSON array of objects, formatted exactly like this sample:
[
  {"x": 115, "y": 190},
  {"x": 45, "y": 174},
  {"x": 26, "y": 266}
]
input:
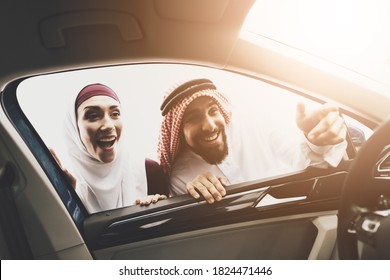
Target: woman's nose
[{"x": 107, "y": 124}]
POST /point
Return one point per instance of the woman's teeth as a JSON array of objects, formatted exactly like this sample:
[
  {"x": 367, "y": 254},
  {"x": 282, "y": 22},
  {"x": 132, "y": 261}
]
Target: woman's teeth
[{"x": 106, "y": 142}]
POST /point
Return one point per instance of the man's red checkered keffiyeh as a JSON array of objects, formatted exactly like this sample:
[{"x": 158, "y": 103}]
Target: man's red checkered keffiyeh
[{"x": 169, "y": 139}]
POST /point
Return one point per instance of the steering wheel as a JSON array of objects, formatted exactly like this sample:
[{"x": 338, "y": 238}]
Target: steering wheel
[{"x": 363, "y": 230}]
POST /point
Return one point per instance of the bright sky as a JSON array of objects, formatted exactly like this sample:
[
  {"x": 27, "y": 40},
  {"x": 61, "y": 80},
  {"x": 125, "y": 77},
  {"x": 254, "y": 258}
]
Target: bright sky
[{"x": 352, "y": 33}]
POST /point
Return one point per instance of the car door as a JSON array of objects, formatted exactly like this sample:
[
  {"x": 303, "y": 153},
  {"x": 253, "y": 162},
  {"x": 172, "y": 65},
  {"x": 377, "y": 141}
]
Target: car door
[{"x": 291, "y": 216}]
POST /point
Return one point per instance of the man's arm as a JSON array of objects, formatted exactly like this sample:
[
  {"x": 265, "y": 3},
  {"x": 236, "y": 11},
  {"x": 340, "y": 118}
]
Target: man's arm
[
  {"x": 322, "y": 126},
  {"x": 325, "y": 134}
]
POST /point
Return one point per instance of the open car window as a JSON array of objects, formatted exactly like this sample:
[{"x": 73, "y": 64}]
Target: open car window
[{"x": 46, "y": 99}]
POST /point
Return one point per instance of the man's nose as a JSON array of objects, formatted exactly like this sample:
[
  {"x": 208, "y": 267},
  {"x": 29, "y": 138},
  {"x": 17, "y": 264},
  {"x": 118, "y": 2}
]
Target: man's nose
[{"x": 208, "y": 124}]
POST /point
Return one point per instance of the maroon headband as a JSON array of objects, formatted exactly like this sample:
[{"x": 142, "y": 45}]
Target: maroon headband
[{"x": 94, "y": 90}]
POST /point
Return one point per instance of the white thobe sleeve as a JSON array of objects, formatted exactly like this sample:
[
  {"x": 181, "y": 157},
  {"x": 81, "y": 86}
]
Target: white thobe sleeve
[
  {"x": 331, "y": 154},
  {"x": 293, "y": 148}
]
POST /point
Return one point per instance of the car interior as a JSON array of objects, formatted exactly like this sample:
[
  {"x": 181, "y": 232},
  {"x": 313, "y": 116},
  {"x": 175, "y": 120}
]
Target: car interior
[{"x": 312, "y": 214}]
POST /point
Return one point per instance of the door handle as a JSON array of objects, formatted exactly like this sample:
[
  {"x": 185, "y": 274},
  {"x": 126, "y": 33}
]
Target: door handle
[{"x": 269, "y": 200}]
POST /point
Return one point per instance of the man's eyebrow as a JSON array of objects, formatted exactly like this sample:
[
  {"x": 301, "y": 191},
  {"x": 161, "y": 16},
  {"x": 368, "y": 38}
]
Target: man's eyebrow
[
  {"x": 196, "y": 110},
  {"x": 211, "y": 103}
]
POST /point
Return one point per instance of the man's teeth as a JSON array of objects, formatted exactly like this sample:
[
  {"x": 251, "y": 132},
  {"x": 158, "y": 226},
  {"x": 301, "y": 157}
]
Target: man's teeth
[{"x": 211, "y": 138}]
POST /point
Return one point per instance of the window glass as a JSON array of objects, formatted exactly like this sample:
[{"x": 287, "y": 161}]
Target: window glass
[
  {"x": 46, "y": 99},
  {"x": 264, "y": 112}
]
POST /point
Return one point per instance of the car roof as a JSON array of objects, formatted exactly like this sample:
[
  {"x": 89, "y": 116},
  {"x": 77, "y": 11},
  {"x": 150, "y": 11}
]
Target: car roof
[
  {"x": 49, "y": 36},
  {"x": 77, "y": 34}
]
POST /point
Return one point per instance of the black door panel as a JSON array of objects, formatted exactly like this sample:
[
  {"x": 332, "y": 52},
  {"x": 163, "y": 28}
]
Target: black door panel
[
  {"x": 276, "y": 240},
  {"x": 178, "y": 216}
]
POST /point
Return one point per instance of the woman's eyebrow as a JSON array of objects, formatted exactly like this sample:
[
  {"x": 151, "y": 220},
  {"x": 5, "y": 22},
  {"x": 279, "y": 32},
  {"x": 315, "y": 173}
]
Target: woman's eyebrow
[
  {"x": 94, "y": 107},
  {"x": 91, "y": 107}
]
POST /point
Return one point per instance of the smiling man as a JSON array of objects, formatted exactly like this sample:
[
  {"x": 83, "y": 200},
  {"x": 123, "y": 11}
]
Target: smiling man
[
  {"x": 203, "y": 148},
  {"x": 205, "y": 138}
]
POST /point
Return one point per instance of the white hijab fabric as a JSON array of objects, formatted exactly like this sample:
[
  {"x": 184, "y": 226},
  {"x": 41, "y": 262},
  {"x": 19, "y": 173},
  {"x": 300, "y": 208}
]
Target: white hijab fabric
[{"x": 104, "y": 186}]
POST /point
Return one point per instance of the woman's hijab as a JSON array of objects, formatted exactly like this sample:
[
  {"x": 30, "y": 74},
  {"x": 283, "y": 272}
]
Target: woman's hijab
[{"x": 104, "y": 186}]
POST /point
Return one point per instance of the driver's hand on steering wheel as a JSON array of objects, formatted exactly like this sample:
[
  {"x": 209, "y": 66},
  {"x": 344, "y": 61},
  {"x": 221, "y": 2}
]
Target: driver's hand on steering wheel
[{"x": 211, "y": 187}]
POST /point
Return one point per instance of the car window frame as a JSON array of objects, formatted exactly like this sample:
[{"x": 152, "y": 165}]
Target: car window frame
[
  {"x": 59, "y": 180},
  {"x": 19, "y": 120}
]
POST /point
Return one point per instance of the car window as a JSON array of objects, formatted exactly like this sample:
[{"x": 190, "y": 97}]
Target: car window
[{"x": 256, "y": 105}]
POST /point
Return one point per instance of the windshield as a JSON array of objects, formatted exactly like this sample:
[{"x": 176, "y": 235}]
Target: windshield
[{"x": 354, "y": 34}]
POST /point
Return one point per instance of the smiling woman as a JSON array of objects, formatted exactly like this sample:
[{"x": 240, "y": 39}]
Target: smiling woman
[
  {"x": 98, "y": 121},
  {"x": 104, "y": 175}
]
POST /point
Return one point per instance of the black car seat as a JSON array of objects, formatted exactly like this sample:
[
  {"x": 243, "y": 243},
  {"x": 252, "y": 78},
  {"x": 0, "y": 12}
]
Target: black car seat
[{"x": 158, "y": 182}]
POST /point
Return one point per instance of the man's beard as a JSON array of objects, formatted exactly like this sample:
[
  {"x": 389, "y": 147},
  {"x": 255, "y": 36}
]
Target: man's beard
[{"x": 214, "y": 155}]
